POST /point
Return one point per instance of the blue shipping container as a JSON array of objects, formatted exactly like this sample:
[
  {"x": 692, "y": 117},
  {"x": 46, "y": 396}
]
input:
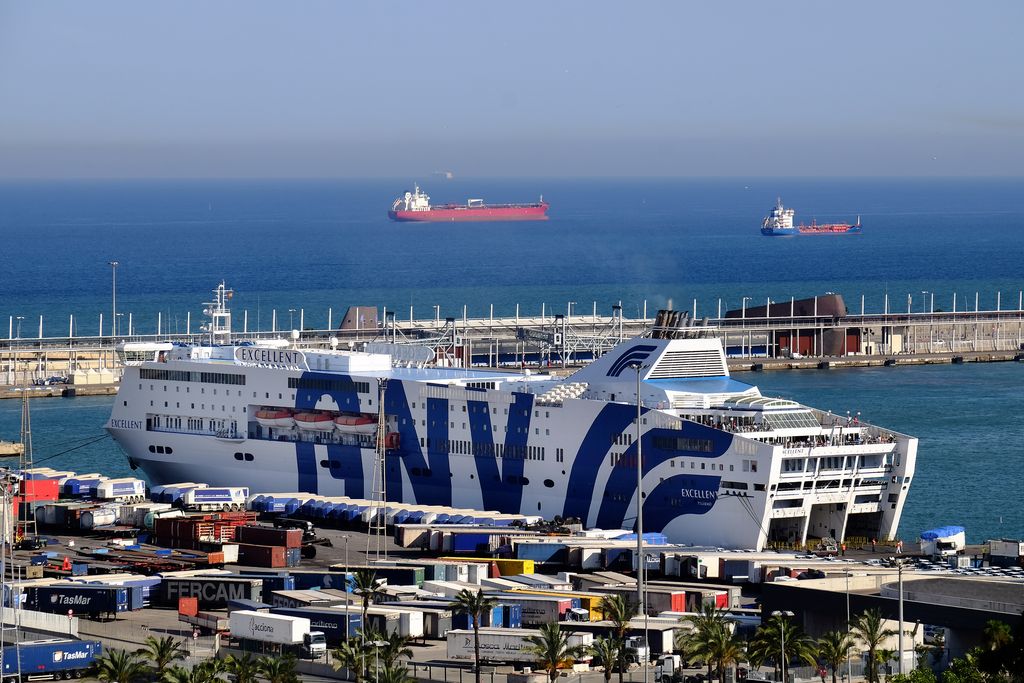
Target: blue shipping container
[
  {"x": 79, "y": 598},
  {"x": 50, "y": 657},
  {"x": 329, "y": 621},
  {"x": 513, "y": 617}
]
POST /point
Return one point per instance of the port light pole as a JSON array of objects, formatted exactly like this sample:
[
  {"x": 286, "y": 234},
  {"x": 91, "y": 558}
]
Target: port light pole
[
  {"x": 782, "y": 615},
  {"x": 849, "y": 662},
  {"x": 641, "y": 568},
  {"x": 113, "y": 297}
]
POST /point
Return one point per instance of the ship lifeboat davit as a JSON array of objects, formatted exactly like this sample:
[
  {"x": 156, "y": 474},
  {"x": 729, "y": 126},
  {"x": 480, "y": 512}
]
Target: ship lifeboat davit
[
  {"x": 355, "y": 424},
  {"x": 278, "y": 418},
  {"x": 314, "y": 422}
]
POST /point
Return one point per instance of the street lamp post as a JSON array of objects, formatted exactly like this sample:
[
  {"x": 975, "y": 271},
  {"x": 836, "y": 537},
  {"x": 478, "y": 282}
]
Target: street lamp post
[
  {"x": 113, "y": 297},
  {"x": 899, "y": 574},
  {"x": 19, "y": 318},
  {"x": 291, "y": 318},
  {"x": 346, "y": 588},
  {"x": 641, "y": 569},
  {"x": 849, "y": 662},
  {"x": 924, "y": 301},
  {"x": 782, "y": 632}
]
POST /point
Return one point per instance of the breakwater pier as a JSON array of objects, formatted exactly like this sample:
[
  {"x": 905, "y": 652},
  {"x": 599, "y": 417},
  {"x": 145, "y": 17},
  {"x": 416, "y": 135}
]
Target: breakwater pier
[{"x": 812, "y": 333}]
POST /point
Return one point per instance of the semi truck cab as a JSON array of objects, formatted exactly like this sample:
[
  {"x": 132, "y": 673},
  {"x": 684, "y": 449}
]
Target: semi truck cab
[{"x": 315, "y": 644}]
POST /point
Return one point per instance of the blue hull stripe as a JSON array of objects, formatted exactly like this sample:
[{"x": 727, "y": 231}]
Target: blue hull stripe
[
  {"x": 437, "y": 455},
  {"x": 621, "y": 485},
  {"x": 613, "y": 418}
]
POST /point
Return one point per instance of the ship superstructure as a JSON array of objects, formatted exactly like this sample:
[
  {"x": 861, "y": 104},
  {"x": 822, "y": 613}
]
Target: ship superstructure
[{"x": 722, "y": 464}]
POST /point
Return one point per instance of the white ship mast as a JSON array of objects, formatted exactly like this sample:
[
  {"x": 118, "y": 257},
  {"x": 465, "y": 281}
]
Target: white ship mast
[{"x": 219, "y": 325}]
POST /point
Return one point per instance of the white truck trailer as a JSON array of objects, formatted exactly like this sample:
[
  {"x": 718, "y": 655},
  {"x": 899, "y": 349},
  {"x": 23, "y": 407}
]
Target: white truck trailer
[
  {"x": 503, "y": 644},
  {"x": 290, "y": 633}
]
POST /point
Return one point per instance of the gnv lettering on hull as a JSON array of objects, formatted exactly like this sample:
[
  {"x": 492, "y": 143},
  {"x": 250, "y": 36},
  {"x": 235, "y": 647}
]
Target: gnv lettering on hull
[
  {"x": 280, "y": 357},
  {"x": 126, "y": 424}
]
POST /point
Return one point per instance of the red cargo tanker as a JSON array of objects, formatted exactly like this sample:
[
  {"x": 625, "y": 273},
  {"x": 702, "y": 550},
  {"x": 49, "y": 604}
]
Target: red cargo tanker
[{"x": 415, "y": 206}]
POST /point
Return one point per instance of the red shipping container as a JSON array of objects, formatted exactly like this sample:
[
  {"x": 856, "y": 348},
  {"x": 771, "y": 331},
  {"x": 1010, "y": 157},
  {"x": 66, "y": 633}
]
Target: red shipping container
[
  {"x": 265, "y": 535},
  {"x": 189, "y": 606},
  {"x": 271, "y": 556},
  {"x": 678, "y": 601},
  {"x": 722, "y": 600},
  {"x": 39, "y": 489}
]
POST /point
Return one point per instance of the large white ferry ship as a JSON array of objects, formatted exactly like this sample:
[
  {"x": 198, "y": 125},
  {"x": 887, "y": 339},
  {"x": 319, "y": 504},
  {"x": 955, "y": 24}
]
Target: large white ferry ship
[{"x": 722, "y": 464}]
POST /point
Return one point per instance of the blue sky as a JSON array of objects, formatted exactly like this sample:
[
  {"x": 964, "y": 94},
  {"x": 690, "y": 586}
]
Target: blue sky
[{"x": 331, "y": 88}]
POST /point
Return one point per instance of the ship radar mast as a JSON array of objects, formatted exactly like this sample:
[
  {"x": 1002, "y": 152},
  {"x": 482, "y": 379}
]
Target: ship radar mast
[{"x": 219, "y": 324}]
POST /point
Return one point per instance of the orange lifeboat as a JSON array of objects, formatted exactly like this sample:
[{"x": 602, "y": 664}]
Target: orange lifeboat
[
  {"x": 280, "y": 418},
  {"x": 355, "y": 424},
  {"x": 314, "y": 422}
]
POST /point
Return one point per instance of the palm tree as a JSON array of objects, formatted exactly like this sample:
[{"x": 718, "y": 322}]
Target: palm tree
[
  {"x": 349, "y": 655},
  {"x": 768, "y": 640},
  {"x": 552, "y": 648},
  {"x": 394, "y": 674},
  {"x": 884, "y": 657},
  {"x": 367, "y": 587},
  {"x": 161, "y": 652},
  {"x": 834, "y": 649},
  {"x": 119, "y": 666},
  {"x": 245, "y": 669},
  {"x": 724, "y": 649},
  {"x": 475, "y": 605},
  {"x": 710, "y": 631},
  {"x": 869, "y": 628},
  {"x": 607, "y": 651},
  {"x": 618, "y": 610},
  {"x": 180, "y": 674},
  {"x": 395, "y": 646},
  {"x": 278, "y": 669}
]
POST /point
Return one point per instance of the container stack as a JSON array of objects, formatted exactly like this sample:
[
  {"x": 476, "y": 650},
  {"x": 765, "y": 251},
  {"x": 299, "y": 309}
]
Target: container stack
[{"x": 264, "y": 546}]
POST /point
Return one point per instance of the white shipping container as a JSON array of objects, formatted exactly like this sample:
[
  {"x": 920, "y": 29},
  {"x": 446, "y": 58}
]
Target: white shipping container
[
  {"x": 128, "y": 488},
  {"x": 268, "y": 628},
  {"x": 502, "y": 644}
]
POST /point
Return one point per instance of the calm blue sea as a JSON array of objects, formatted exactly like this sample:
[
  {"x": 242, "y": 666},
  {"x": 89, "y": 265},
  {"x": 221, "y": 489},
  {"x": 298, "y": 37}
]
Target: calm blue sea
[{"x": 314, "y": 245}]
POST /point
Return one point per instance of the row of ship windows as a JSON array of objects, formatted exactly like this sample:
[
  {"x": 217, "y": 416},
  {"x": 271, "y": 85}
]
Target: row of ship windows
[
  {"x": 202, "y": 406},
  {"x": 624, "y": 460},
  {"x": 247, "y": 457},
  {"x": 189, "y": 376},
  {"x": 496, "y": 450},
  {"x": 832, "y": 463},
  {"x": 163, "y": 450}
]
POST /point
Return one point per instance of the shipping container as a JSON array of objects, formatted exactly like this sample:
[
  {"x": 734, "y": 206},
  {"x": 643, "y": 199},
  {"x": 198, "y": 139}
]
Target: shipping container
[
  {"x": 536, "y": 609},
  {"x": 308, "y": 598},
  {"x": 213, "y": 592},
  {"x": 261, "y": 555},
  {"x": 331, "y": 621},
  {"x": 267, "y": 535},
  {"x": 57, "y": 658},
  {"x": 498, "y": 645},
  {"x": 82, "y": 599},
  {"x": 221, "y": 498},
  {"x": 268, "y": 628},
  {"x": 127, "y": 489}
]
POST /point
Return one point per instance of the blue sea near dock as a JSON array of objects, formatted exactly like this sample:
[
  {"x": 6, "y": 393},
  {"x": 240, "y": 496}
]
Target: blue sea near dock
[{"x": 310, "y": 245}]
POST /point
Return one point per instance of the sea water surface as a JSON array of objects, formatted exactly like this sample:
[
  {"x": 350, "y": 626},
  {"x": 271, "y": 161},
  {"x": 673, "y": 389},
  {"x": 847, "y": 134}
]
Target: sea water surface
[{"x": 315, "y": 245}]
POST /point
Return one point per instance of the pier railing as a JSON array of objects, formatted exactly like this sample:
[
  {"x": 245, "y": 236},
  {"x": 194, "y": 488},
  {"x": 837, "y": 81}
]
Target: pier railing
[{"x": 562, "y": 341}]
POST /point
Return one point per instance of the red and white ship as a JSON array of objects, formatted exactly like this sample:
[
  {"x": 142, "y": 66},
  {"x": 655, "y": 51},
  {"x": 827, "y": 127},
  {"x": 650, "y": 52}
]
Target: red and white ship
[{"x": 415, "y": 206}]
